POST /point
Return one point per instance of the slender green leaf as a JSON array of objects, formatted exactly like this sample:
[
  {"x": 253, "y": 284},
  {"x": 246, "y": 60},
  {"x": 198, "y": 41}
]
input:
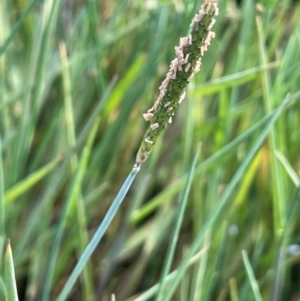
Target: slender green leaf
[
  {"x": 97, "y": 236},
  {"x": 10, "y": 278},
  {"x": 20, "y": 188},
  {"x": 253, "y": 281}
]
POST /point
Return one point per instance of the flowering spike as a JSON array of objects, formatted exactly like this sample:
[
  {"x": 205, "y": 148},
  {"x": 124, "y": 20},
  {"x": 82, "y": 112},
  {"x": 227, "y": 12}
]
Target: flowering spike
[{"x": 181, "y": 70}]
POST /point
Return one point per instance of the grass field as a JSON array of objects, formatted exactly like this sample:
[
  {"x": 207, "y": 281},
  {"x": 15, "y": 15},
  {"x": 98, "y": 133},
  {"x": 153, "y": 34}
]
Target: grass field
[{"x": 213, "y": 214}]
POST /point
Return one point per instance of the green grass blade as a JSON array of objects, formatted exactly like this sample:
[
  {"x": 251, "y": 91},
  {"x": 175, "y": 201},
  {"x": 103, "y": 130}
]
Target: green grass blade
[
  {"x": 179, "y": 219},
  {"x": 2, "y": 204},
  {"x": 37, "y": 74},
  {"x": 2, "y": 284},
  {"x": 151, "y": 292},
  {"x": 230, "y": 81},
  {"x": 20, "y": 188},
  {"x": 197, "y": 287},
  {"x": 233, "y": 290},
  {"x": 253, "y": 282},
  {"x": 289, "y": 169},
  {"x": 126, "y": 82},
  {"x": 73, "y": 193},
  {"x": 2, "y": 246},
  {"x": 68, "y": 101},
  {"x": 148, "y": 294},
  {"x": 97, "y": 236},
  {"x": 2, "y": 289},
  {"x": 278, "y": 179},
  {"x": 77, "y": 202},
  {"x": 18, "y": 25},
  {"x": 10, "y": 278}
]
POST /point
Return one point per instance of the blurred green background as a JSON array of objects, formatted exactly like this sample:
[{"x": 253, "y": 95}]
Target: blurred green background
[{"x": 70, "y": 67}]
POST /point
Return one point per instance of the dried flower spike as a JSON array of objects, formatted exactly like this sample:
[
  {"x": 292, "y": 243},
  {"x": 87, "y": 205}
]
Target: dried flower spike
[{"x": 181, "y": 70}]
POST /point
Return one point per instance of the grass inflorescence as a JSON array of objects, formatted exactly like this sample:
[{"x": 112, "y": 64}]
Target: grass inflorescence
[{"x": 173, "y": 89}]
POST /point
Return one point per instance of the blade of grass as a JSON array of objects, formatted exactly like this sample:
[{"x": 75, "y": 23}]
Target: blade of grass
[
  {"x": 115, "y": 35},
  {"x": 233, "y": 290},
  {"x": 177, "y": 226},
  {"x": 97, "y": 236},
  {"x": 217, "y": 261},
  {"x": 2, "y": 204},
  {"x": 189, "y": 135},
  {"x": 198, "y": 280},
  {"x": 248, "y": 179},
  {"x": 22, "y": 131},
  {"x": 126, "y": 82},
  {"x": 94, "y": 16},
  {"x": 2, "y": 284},
  {"x": 289, "y": 169},
  {"x": 229, "y": 81},
  {"x": 293, "y": 214},
  {"x": 156, "y": 233},
  {"x": 10, "y": 278},
  {"x": 240, "y": 60},
  {"x": 2, "y": 287},
  {"x": 184, "y": 288},
  {"x": 31, "y": 103},
  {"x": 18, "y": 25},
  {"x": 20, "y": 188},
  {"x": 68, "y": 102},
  {"x": 2, "y": 246},
  {"x": 279, "y": 272},
  {"x": 74, "y": 190},
  {"x": 169, "y": 278},
  {"x": 77, "y": 201},
  {"x": 278, "y": 179},
  {"x": 253, "y": 282}
]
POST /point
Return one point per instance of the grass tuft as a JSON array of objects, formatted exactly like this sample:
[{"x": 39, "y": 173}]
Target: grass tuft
[{"x": 75, "y": 80}]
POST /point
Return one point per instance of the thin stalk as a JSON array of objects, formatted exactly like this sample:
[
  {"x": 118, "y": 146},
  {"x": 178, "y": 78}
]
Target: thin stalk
[
  {"x": 253, "y": 282},
  {"x": 18, "y": 25},
  {"x": 10, "y": 277},
  {"x": 179, "y": 219},
  {"x": 278, "y": 180},
  {"x": 2, "y": 205},
  {"x": 71, "y": 141},
  {"x": 98, "y": 235},
  {"x": 73, "y": 193}
]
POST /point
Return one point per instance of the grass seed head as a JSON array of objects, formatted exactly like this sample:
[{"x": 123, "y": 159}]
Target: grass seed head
[{"x": 181, "y": 70}]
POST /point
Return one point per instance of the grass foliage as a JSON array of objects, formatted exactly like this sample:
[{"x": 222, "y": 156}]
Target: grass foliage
[{"x": 217, "y": 221}]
